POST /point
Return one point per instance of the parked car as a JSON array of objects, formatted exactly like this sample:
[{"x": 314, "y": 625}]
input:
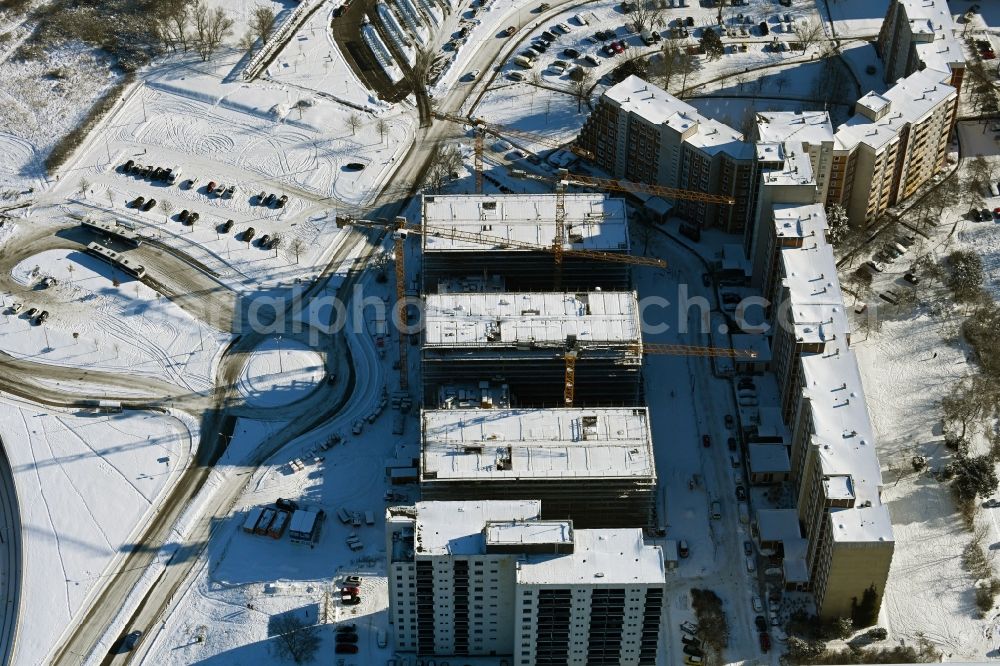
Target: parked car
[
  {"x": 131, "y": 640},
  {"x": 571, "y": 53},
  {"x": 473, "y": 75},
  {"x": 748, "y": 548},
  {"x": 138, "y": 201},
  {"x": 346, "y": 648},
  {"x": 192, "y": 218},
  {"x": 706, "y": 441},
  {"x": 991, "y": 503},
  {"x": 346, "y": 637},
  {"x": 227, "y": 226},
  {"x": 42, "y": 316},
  {"x": 911, "y": 278},
  {"x": 751, "y": 565},
  {"x": 765, "y": 642},
  {"x": 15, "y": 308},
  {"x": 249, "y": 234},
  {"x": 128, "y": 166},
  {"x": 229, "y": 192},
  {"x": 264, "y": 240},
  {"x": 347, "y": 627},
  {"x": 31, "y": 312},
  {"x": 148, "y": 206},
  {"x": 693, "y": 651},
  {"x": 269, "y": 199},
  {"x": 730, "y": 422},
  {"x": 510, "y": 31},
  {"x": 741, "y": 493},
  {"x": 682, "y": 548},
  {"x": 689, "y": 628},
  {"x": 210, "y": 187},
  {"x": 183, "y": 215},
  {"x": 353, "y": 580},
  {"x": 690, "y": 640},
  {"x": 220, "y": 190},
  {"x": 716, "y": 510},
  {"x": 693, "y": 660},
  {"x": 260, "y": 198}
]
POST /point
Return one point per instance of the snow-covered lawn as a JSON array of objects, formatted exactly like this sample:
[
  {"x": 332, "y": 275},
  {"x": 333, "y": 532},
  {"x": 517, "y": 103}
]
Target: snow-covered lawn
[
  {"x": 85, "y": 484},
  {"x": 126, "y": 328},
  {"x": 856, "y": 18},
  {"x": 280, "y": 372}
]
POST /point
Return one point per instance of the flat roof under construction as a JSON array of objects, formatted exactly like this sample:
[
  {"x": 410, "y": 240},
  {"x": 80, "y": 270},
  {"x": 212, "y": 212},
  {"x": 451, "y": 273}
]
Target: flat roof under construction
[
  {"x": 506, "y": 319},
  {"x": 498, "y": 444},
  {"x": 593, "y": 221}
]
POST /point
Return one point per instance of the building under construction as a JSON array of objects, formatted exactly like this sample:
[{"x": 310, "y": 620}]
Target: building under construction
[
  {"x": 592, "y": 222},
  {"x": 522, "y": 340},
  {"x": 592, "y": 466}
]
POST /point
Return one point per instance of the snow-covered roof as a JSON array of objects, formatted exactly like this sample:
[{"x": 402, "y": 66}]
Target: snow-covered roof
[
  {"x": 845, "y": 441},
  {"x": 794, "y": 568},
  {"x": 757, "y": 343},
  {"x": 509, "y": 533},
  {"x": 600, "y": 557},
  {"x": 938, "y": 47},
  {"x": 778, "y": 525},
  {"x": 303, "y": 521},
  {"x": 911, "y": 100},
  {"x": 658, "y": 107},
  {"x": 506, "y": 444},
  {"x": 593, "y": 220},
  {"x": 812, "y": 127},
  {"x": 456, "y": 528},
  {"x": 503, "y": 320},
  {"x": 796, "y": 165},
  {"x": 766, "y": 458},
  {"x": 798, "y": 220},
  {"x": 816, "y": 303},
  {"x": 734, "y": 259}
]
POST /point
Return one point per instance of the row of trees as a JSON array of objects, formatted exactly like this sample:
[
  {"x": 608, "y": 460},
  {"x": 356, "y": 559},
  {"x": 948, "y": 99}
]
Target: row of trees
[{"x": 194, "y": 26}]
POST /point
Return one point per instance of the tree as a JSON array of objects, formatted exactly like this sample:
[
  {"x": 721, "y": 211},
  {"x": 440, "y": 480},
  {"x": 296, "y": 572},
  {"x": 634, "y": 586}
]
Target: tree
[
  {"x": 711, "y": 43},
  {"x": 167, "y": 207},
  {"x": 839, "y": 223},
  {"x": 865, "y": 612},
  {"x": 172, "y": 26},
  {"x": 382, "y": 127},
  {"x": 353, "y": 122},
  {"x": 581, "y": 88},
  {"x": 447, "y": 161},
  {"x": 974, "y": 477},
  {"x": 966, "y": 405},
  {"x": 278, "y": 243},
  {"x": 295, "y": 639},
  {"x": 211, "y": 28},
  {"x": 247, "y": 42},
  {"x": 262, "y": 22},
  {"x": 83, "y": 186},
  {"x": 966, "y": 276},
  {"x": 647, "y": 15},
  {"x": 111, "y": 198},
  {"x": 296, "y": 247},
  {"x": 808, "y": 32},
  {"x": 940, "y": 197}
]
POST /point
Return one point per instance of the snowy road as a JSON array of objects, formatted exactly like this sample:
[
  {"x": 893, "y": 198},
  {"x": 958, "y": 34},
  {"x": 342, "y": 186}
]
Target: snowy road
[{"x": 11, "y": 574}]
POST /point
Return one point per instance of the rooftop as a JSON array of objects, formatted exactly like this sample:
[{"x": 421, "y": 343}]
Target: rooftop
[
  {"x": 932, "y": 20},
  {"x": 843, "y": 433},
  {"x": 812, "y": 127},
  {"x": 658, "y": 107},
  {"x": 506, "y": 319},
  {"x": 796, "y": 165},
  {"x": 593, "y": 221},
  {"x": 533, "y": 532},
  {"x": 503, "y": 444},
  {"x": 910, "y": 100},
  {"x": 766, "y": 458},
  {"x": 456, "y": 528},
  {"x": 600, "y": 557}
]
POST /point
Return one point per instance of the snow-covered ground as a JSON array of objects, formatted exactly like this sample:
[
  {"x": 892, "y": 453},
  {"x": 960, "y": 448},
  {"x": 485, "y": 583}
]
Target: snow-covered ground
[
  {"x": 280, "y": 372},
  {"x": 85, "y": 484},
  {"x": 127, "y": 328}
]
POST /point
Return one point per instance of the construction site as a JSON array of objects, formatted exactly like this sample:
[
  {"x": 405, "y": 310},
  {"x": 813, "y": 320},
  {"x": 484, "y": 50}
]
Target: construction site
[
  {"x": 592, "y": 466},
  {"x": 521, "y": 339}
]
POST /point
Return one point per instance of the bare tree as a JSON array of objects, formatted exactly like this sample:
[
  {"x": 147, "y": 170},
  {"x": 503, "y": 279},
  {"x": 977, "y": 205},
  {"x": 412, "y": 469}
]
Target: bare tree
[
  {"x": 172, "y": 25},
  {"x": 167, "y": 207},
  {"x": 296, "y": 247},
  {"x": 447, "y": 161},
  {"x": 111, "y": 198},
  {"x": 647, "y": 15},
  {"x": 247, "y": 42},
  {"x": 382, "y": 127},
  {"x": 354, "y": 122},
  {"x": 781, "y": 81},
  {"x": 278, "y": 243},
  {"x": 670, "y": 55},
  {"x": 211, "y": 28},
  {"x": 808, "y": 33},
  {"x": 581, "y": 88},
  {"x": 262, "y": 22},
  {"x": 83, "y": 186},
  {"x": 295, "y": 639}
]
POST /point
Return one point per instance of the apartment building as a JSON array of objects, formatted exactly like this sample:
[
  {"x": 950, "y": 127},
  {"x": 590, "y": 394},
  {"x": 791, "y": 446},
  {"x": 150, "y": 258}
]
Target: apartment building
[
  {"x": 522, "y": 339},
  {"x": 514, "y": 226},
  {"x": 491, "y": 578},
  {"x": 642, "y": 133},
  {"x": 895, "y": 142},
  {"x": 592, "y": 466},
  {"x": 920, "y": 34},
  {"x": 842, "y": 541}
]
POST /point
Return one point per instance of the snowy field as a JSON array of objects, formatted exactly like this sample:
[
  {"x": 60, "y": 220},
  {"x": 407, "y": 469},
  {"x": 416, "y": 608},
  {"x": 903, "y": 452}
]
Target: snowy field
[
  {"x": 856, "y": 18},
  {"x": 85, "y": 483},
  {"x": 280, "y": 372},
  {"x": 126, "y": 328}
]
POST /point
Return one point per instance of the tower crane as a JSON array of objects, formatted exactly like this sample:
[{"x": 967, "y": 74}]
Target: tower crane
[
  {"x": 402, "y": 229},
  {"x": 573, "y": 354}
]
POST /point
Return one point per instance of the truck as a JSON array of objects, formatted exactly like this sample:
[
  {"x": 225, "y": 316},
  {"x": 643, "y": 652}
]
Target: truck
[
  {"x": 264, "y": 524},
  {"x": 369, "y": 518},
  {"x": 344, "y": 515},
  {"x": 279, "y": 524}
]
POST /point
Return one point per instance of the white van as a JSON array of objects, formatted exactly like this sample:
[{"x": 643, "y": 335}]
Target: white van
[
  {"x": 581, "y": 19},
  {"x": 993, "y": 190}
]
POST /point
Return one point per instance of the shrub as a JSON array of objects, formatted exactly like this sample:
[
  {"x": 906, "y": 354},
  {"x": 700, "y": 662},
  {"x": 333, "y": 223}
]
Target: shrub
[{"x": 68, "y": 143}]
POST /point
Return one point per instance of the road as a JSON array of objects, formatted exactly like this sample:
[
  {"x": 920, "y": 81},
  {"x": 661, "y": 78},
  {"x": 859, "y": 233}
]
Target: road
[{"x": 10, "y": 560}]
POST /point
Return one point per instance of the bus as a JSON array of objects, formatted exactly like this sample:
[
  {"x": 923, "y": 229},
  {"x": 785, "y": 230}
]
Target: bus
[{"x": 116, "y": 260}]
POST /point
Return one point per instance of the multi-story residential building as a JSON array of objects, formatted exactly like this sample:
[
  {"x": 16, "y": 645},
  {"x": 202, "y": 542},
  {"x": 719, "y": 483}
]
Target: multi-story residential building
[
  {"x": 592, "y": 466},
  {"x": 522, "y": 339},
  {"x": 920, "y": 34},
  {"x": 491, "y": 578},
  {"x": 893, "y": 144},
  {"x": 642, "y": 133},
  {"x": 592, "y": 222}
]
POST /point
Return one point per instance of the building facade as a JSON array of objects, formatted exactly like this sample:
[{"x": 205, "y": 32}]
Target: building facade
[
  {"x": 920, "y": 34},
  {"x": 490, "y": 578}
]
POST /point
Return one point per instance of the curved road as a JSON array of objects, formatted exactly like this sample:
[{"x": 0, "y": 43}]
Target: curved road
[{"x": 10, "y": 556}]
